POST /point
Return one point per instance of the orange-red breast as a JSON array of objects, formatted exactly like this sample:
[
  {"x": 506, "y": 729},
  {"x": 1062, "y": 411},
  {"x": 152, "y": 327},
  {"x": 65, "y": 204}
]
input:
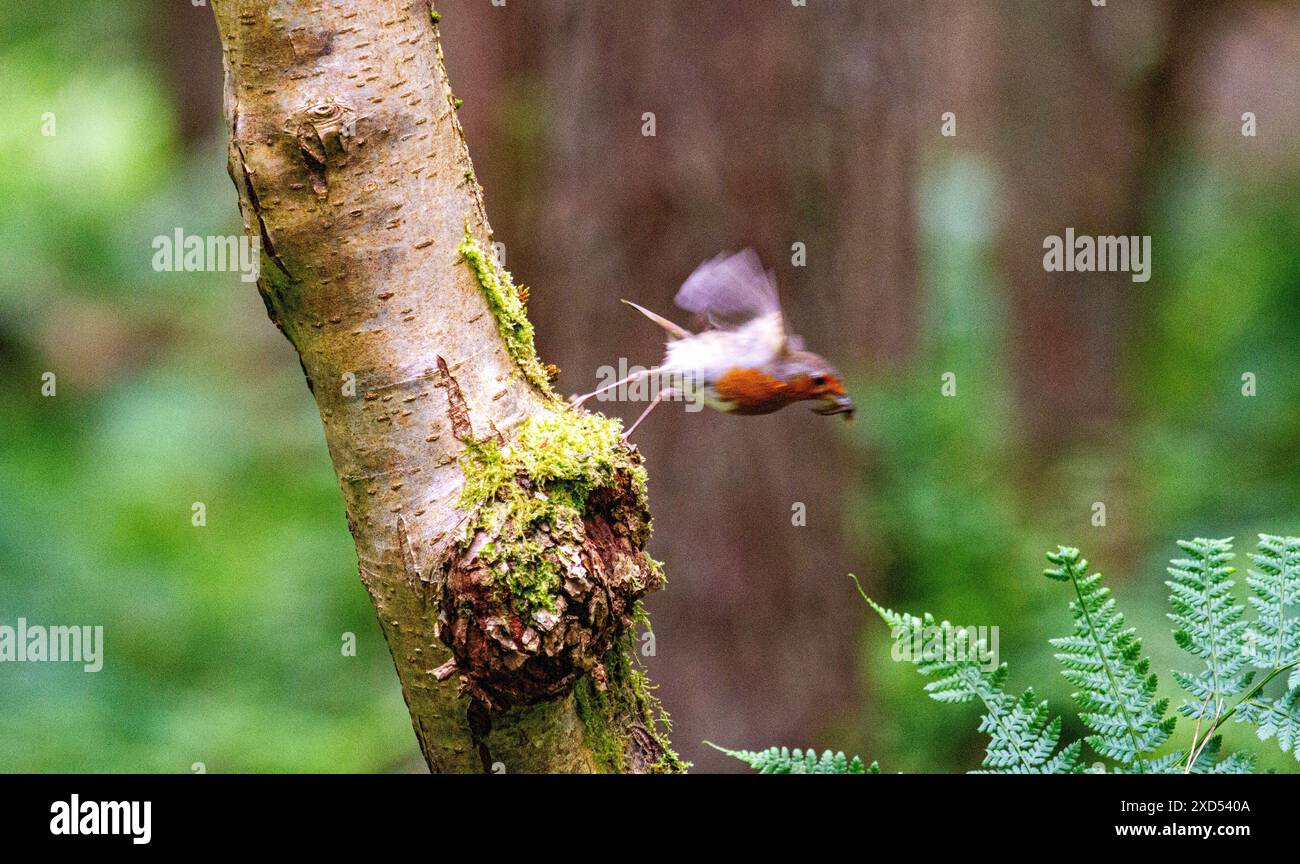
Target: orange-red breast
[{"x": 745, "y": 361}]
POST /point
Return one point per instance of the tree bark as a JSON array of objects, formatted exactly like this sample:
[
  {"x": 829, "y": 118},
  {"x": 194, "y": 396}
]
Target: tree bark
[{"x": 487, "y": 516}]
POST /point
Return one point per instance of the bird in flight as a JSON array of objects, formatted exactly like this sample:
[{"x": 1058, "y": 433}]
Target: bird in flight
[{"x": 744, "y": 361}]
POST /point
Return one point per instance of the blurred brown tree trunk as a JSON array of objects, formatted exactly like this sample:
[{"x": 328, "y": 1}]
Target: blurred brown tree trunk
[
  {"x": 775, "y": 125},
  {"x": 353, "y": 173},
  {"x": 1088, "y": 102}
]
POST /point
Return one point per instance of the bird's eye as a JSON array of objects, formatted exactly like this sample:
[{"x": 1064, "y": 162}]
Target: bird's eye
[{"x": 819, "y": 380}]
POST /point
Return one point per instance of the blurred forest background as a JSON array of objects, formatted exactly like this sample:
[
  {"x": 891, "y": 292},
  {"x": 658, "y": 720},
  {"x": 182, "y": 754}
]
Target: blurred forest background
[{"x": 775, "y": 125}]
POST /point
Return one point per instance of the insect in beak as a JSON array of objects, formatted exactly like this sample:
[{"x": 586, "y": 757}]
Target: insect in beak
[{"x": 838, "y": 405}]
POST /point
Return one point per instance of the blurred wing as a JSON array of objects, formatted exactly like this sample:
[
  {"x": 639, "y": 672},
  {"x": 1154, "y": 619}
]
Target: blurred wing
[{"x": 730, "y": 291}]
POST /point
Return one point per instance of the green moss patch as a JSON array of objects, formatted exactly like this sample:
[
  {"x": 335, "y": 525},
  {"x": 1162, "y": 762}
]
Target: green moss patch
[
  {"x": 511, "y": 316},
  {"x": 626, "y": 699},
  {"x": 528, "y": 495}
]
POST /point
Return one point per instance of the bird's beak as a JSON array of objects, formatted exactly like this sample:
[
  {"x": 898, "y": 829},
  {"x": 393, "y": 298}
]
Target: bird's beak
[{"x": 838, "y": 405}]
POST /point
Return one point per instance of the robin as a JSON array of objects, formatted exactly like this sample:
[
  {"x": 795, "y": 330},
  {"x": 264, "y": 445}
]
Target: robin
[{"x": 744, "y": 362}]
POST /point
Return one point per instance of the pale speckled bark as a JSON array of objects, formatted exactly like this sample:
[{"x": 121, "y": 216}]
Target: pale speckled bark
[{"x": 352, "y": 169}]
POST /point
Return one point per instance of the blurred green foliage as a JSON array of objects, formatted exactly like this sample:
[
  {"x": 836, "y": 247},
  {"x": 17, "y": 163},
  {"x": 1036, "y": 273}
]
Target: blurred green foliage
[
  {"x": 223, "y": 643},
  {"x": 961, "y": 507}
]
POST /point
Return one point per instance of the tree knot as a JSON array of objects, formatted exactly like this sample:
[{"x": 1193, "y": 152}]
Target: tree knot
[
  {"x": 322, "y": 129},
  {"x": 552, "y": 564}
]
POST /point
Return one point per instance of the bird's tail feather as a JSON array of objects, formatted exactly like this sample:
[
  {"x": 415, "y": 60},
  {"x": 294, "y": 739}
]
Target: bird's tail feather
[{"x": 673, "y": 330}]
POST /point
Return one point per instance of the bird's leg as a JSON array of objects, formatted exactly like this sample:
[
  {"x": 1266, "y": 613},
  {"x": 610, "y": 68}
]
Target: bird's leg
[
  {"x": 659, "y": 398},
  {"x": 577, "y": 401}
]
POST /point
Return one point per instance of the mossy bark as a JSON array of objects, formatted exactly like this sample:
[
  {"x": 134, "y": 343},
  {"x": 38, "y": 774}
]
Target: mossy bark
[{"x": 352, "y": 171}]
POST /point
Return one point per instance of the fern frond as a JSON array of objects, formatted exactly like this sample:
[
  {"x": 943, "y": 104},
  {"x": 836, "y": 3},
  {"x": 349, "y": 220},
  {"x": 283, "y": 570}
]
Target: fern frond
[
  {"x": 1275, "y": 717},
  {"x": 1028, "y": 735},
  {"x": 1023, "y": 737},
  {"x": 1210, "y": 625},
  {"x": 1273, "y": 642},
  {"x": 1276, "y": 593},
  {"x": 1206, "y": 761},
  {"x": 782, "y": 760},
  {"x": 1234, "y": 763},
  {"x": 1103, "y": 659}
]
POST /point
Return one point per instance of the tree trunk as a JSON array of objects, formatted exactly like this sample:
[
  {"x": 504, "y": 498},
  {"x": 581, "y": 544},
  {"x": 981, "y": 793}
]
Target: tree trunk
[
  {"x": 500, "y": 534},
  {"x": 1087, "y": 107}
]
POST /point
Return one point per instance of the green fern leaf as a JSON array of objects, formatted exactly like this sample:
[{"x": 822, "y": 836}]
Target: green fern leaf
[
  {"x": 1276, "y": 593},
  {"x": 1027, "y": 736},
  {"x": 1103, "y": 659},
  {"x": 1276, "y": 717},
  {"x": 1273, "y": 641},
  {"x": 782, "y": 760},
  {"x": 1210, "y": 625},
  {"x": 1023, "y": 737},
  {"x": 1235, "y": 763},
  {"x": 1206, "y": 762}
]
